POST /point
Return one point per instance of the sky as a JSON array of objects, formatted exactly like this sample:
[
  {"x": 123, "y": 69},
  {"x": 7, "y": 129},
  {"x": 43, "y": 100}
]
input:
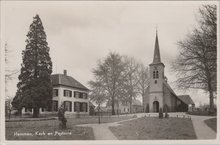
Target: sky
[{"x": 79, "y": 33}]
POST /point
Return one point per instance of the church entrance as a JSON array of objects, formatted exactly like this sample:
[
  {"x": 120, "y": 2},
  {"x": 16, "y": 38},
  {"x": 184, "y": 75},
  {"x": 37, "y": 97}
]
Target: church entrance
[{"x": 155, "y": 106}]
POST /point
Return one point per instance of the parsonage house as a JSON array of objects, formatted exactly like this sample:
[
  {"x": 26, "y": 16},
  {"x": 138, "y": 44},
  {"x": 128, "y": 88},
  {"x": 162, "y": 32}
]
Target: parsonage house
[
  {"x": 159, "y": 93},
  {"x": 69, "y": 92},
  {"x": 123, "y": 107}
]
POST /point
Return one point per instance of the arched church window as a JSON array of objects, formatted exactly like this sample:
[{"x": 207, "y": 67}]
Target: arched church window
[{"x": 154, "y": 74}]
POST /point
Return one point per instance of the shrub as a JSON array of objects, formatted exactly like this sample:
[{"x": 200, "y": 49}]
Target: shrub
[
  {"x": 160, "y": 113},
  {"x": 134, "y": 116},
  {"x": 166, "y": 110}
]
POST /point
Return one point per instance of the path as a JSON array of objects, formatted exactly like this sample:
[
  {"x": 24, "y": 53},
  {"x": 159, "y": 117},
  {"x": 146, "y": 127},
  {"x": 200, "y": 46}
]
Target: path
[
  {"x": 201, "y": 129},
  {"x": 102, "y": 131}
]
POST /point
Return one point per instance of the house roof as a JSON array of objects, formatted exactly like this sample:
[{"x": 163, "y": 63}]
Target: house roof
[
  {"x": 91, "y": 105},
  {"x": 61, "y": 79},
  {"x": 136, "y": 102},
  {"x": 103, "y": 109},
  {"x": 186, "y": 99}
]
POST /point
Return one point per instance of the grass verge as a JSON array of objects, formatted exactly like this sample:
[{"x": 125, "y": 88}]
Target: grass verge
[
  {"x": 212, "y": 123},
  {"x": 147, "y": 128},
  {"x": 49, "y": 129}
]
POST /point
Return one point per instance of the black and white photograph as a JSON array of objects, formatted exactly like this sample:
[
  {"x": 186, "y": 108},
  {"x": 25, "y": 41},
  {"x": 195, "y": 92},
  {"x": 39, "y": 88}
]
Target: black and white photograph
[{"x": 136, "y": 71}]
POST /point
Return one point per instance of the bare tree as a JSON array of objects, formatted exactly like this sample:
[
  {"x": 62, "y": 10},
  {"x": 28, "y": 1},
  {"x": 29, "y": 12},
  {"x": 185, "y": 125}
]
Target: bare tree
[
  {"x": 196, "y": 65},
  {"x": 143, "y": 80},
  {"x": 98, "y": 94},
  {"x": 109, "y": 73},
  {"x": 131, "y": 80},
  {"x": 9, "y": 75}
]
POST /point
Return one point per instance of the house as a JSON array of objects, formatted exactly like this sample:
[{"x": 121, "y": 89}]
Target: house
[
  {"x": 69, "y": 92},
  {"x": 137, "y": 106},
  {"x": 159, "y": 94},
  {"x": 102, "y": 111},
  {"x": 91, "y": 108},
  {"x": 188, "y": 103},
  {"x": 120, "y": 107},
  {"x": 123, "y": 107}
]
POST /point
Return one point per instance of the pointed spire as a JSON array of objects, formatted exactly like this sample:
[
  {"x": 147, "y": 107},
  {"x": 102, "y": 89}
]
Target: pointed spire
[{"x": 156, "y": 51}]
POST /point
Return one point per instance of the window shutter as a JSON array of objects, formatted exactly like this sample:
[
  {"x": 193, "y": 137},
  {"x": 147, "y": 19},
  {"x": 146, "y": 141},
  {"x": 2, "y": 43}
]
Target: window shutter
[
  {"x": 70, "y": 93},
  {"x": 64, "y": 105},
  {"x": 80, "y": 106},
  {"x": 74, "y": 105},
  {"x": 86, "y": 107},
  {"x": 64, "y": 92},
  {"x": 71, "y": 105},
  {"x": 74, "y": 96},
  {"x": 56, "y": 92}
]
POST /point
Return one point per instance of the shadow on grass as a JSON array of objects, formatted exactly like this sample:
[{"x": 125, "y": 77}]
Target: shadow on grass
[{"x": 151, "y": 128}]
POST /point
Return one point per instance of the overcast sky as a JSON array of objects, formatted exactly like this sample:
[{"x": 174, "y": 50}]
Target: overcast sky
[{"x": 81, "y": 33}]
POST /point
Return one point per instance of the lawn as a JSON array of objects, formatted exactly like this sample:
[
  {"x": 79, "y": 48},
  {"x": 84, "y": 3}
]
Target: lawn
[
  {"x": 49, "y": 129},
  {"x": 152, "y": 128},
  {"x": 212, "y": 123}
]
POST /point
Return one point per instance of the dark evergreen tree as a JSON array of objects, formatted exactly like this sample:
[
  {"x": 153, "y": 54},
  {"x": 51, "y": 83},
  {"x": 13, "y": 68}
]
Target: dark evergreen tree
[{"x": 34, "y": 86}]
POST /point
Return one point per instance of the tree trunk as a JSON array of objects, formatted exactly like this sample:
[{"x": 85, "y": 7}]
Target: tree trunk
[
  {"x": 36, "y": 112},
  {"x": 131, "y": 108},
  {"x": 211, "y": 101},
  {"x": 113, "y": 106}
]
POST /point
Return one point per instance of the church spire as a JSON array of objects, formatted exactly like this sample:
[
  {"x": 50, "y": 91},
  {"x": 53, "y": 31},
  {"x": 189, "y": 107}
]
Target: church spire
[{"x": 156, "y": 51}]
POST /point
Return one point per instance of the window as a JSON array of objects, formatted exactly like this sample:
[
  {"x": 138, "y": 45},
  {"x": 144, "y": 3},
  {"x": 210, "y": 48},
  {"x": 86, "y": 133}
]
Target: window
[
  {"x": 80, "y": 95},
  {"x": 55, "y": 105},
  {"x": 55, "y": 92},
  {"x": 68, "y": 106},
  {"x": 80, "y": 107},
  {"x": 85, "y": 96},
  {"x": 155, "y": 74},
  {"x": 76, "y": 107},
  {"x": 84, "y": 107},
  {"x": 67, "y": 93},
  {"x": 76, "y": 94}
]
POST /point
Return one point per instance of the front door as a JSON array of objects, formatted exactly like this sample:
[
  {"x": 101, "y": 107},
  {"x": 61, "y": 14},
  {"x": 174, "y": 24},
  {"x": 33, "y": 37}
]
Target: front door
[{"x": 155, "y": 106}]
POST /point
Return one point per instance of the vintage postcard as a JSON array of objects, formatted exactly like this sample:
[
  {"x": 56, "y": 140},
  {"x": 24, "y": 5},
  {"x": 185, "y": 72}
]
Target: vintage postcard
[{"x": 109, "y": 72}]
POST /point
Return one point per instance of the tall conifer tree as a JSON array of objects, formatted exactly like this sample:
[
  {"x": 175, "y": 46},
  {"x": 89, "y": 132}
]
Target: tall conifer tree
[{"x": 34, "y": 86}]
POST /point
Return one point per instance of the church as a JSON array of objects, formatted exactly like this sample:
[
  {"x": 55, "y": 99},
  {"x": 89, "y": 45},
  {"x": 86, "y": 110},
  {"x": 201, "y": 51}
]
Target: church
[{"x": 159, "y": 94}]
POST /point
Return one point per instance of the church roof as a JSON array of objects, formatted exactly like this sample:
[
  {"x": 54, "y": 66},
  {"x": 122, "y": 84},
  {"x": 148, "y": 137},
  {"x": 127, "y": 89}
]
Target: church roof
[
  {"x": 169, "y": 88},
  {"x": 61, "y": 79},
  {"x": 156, "y": 51},
  {"x": 186, "y": 99}
]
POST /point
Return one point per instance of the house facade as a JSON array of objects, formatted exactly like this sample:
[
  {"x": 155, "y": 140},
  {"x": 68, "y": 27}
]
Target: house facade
[
  {"x": 123, "y": 107},
  {"x": 67, "y": 92},
  {"x": 159, "y": 94}
]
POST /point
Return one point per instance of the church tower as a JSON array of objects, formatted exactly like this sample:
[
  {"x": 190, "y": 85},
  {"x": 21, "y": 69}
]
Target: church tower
[{"x": 156, "y": 80}]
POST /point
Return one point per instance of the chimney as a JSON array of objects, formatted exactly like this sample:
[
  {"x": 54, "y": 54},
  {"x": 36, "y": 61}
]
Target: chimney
[{"x": 65, "y": 72}]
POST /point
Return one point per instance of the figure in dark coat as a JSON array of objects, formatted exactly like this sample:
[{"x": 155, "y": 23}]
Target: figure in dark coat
[{"x": 61, "y": 117}]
